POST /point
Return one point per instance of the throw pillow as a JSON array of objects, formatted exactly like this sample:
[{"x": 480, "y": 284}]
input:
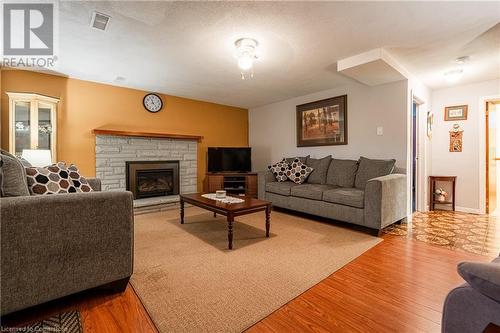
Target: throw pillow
[
  {"x": 290, "y": 160},
  {"x": 279, "y": 170},
  {"x": 342, "y": 173},
  {"x": 369, "y": 169},
  {"x": 53, "y": 179},
  {"x": 298, "y": 172},
  {"x": 80, "y": 182},
  {"x": 13, "y": 176},
  {"x": 484, "y": 277},
  {"x": 320, "y": 167}
]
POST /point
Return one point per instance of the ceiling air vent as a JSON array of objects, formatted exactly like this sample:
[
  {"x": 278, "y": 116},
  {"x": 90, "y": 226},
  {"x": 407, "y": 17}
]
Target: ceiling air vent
[{"x": 99, "y": 21}]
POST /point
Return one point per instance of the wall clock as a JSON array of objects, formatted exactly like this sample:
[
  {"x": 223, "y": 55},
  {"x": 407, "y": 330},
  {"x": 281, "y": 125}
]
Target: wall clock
[{"x": 152, "y": 102}]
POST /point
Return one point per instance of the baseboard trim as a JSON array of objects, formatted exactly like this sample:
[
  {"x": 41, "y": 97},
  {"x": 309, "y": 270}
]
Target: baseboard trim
[{"x": 468, "y": 210}]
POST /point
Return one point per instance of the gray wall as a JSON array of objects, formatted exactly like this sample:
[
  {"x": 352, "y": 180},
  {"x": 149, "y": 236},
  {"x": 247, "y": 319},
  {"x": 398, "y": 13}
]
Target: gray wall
[{"x": 272, "y": 128}]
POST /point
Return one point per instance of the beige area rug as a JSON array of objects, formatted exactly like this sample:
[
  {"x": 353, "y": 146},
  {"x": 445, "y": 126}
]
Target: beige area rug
[{"x": 189, "y": 281}]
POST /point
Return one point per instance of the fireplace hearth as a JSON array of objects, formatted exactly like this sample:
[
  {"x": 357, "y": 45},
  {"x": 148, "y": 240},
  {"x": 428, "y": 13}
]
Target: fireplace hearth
[{"x": 146, "y": 179}]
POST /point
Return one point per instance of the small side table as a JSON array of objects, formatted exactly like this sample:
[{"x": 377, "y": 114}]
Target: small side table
[{"x": 432, "y": 187}]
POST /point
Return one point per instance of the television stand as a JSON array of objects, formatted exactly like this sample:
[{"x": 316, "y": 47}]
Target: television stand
[{"x": 237, "y": 183}]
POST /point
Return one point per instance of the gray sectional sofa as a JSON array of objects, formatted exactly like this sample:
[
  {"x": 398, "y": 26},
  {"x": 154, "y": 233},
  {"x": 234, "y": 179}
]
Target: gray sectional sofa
[
  {"x": 366, "y": 192},
  {"x": 56, "y": 245}
]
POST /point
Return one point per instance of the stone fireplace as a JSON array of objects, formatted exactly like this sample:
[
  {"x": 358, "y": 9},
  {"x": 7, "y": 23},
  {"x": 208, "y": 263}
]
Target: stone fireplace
[
  {"x": 114, "y": 155},
  {"x": 146, "y": 179}
]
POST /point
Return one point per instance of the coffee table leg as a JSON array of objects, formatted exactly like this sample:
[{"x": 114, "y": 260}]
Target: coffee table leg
[
  {"x": 268, "y": 219},
  {"x": 182, "y": 211},
  {"x": 230, "y": 220}
]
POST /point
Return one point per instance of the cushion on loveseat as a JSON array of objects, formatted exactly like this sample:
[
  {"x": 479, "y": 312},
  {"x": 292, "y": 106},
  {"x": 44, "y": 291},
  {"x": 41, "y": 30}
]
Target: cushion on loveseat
[
  {"x": 14, "y": 183},
  {"x": 310, "y": 191},
  {"x": 342, "y": 172},
  {"x": 282, "y": 188},
  {"x": 370, "y": 168},
  {"x": 345, "y": 196},
  {"x": 320, "y": 168},
  {"x": 483, "y": 277}
]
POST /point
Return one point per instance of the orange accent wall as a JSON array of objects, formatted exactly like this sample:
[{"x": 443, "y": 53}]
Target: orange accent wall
[{"x": 87, "y": 105}]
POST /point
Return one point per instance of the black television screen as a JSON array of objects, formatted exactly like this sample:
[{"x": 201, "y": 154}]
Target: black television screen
[{"x": 224, "y": 159}]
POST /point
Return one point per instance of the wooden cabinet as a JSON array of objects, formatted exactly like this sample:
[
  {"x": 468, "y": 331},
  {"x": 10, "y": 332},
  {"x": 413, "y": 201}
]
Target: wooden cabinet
[
  {"x": 214, "y": 183},
  {"x": 233, "y": 183}
]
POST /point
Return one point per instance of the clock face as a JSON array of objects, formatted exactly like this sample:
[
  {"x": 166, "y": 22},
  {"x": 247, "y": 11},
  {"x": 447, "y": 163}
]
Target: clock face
[{"x": 152, "y": 102}]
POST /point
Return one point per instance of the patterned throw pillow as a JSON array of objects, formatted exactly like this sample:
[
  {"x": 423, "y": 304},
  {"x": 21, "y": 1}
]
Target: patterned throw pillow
[
  {"x": 279, "y": 170},
  {"x": 298, "y": 171},
  {"x": 52, "y": 179},
  {"x": 80, "y": 182}
]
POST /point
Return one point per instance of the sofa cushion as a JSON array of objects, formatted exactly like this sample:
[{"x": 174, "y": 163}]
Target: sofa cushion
[
  {"x": 279, "y": 170},
  {"x": 298, "y": 171},
  {"x": 282, "y": 188},
  {"x": 81, "y": 184},
  {"x": 302, "y": 159},
  {"x": 14, "y": 177},
  {"x": 320, "y": 167},
  {"x": 342, "y": 173},
  {"x": 53, "y": 179},
  {"x": 483, "y": 277},
  {"x": 310, "y": 191},
  {"x": 369, "y": 169},
  {"x": 345, "y": 196}
]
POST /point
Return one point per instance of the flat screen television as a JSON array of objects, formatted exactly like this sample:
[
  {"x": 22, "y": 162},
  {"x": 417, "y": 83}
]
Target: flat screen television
[{"x": 228, "y": 159}]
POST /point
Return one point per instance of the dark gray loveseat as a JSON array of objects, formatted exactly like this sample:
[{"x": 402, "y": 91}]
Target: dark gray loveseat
[
  {"x": 364, "y": 192},
  {"x": 57, "y": 245},
  {"x": 471, "y": 307}
]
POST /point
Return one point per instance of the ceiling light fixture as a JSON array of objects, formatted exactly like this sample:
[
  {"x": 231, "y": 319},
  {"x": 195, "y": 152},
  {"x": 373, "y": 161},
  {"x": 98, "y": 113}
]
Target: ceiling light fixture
[
  {"x": 246, "y": 49},
  {"x": 454, "y": 75}
]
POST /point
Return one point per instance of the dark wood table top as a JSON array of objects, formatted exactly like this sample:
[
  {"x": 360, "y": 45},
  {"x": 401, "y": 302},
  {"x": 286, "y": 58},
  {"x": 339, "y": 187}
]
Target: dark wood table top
[{"x": 249, "y": 203}]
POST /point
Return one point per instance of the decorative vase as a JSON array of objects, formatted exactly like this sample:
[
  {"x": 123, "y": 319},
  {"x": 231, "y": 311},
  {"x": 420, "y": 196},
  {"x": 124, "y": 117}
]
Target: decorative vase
[{"x": 441, "y": 198}]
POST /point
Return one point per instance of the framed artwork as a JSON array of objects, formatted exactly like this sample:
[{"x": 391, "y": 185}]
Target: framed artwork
[
  {"x": 456, "y": 135},
  {"x": 322, "y": 123},
  {"x": 430, "y": 121},
  {"x": 457, "y": 112}
]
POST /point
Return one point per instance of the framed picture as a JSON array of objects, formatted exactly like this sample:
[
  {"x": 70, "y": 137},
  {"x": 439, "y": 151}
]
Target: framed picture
[
  {"x": 457, "y": 112},
  {"x": 322, "y": 123}
]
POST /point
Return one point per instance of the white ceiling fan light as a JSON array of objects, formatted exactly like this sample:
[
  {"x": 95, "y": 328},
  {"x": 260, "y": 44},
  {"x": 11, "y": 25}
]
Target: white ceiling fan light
[{"x": 246, "y": 52}]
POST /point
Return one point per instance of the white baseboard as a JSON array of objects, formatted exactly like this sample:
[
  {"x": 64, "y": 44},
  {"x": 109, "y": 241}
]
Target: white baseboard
[
  {"x": 461, "y": 209},
  {"x": 468, "y": 210}
]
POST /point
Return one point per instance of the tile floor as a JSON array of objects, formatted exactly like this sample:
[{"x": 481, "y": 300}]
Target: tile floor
[{"x": 479, "y": 234}]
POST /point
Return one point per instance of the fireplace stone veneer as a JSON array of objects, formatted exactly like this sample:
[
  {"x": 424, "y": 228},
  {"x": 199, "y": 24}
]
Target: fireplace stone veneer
[{"x": 112, "y": 153}]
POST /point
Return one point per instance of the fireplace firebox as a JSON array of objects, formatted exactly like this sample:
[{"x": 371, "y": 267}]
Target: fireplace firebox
[{"x": 147, "y": 179}]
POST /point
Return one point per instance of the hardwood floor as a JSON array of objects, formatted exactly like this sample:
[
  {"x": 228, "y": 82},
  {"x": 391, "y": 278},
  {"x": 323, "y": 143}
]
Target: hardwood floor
[
  {"x": 397, "y": 286},
  {"x": 99, "y": 312}
]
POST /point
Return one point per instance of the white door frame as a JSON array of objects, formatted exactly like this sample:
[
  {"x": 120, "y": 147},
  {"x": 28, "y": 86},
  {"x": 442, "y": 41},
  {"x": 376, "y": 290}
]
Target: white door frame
[
  {"x": 482, "y": 150},
  {"x": 420, "y": 204}
]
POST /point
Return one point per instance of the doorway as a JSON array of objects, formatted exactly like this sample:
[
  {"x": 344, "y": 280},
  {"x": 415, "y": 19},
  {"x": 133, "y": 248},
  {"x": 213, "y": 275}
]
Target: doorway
[{"x": 492, "y": 117}]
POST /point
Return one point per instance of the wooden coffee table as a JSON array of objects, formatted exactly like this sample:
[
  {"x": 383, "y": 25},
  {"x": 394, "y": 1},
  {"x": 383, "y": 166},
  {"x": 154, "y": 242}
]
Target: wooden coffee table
[{"x": 250, "y": 205}]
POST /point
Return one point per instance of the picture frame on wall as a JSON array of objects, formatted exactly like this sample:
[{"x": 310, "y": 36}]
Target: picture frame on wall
[
  {"x": 322, "y": 123},
  {"x": 454, "y": 113}
]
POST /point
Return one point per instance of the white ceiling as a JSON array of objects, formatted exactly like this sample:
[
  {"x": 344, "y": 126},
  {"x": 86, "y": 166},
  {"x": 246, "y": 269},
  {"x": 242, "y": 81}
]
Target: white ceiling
[{"x": 186, "y": 48}]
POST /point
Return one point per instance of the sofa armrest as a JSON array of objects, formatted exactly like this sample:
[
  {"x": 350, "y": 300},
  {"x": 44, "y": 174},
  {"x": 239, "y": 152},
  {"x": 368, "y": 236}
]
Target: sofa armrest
[
  {"x": 56, "y": 245},
  {"x": 95, "y": 183},
  {"x": 264, "y": 177},
  {"x": 385, "y": 200}
]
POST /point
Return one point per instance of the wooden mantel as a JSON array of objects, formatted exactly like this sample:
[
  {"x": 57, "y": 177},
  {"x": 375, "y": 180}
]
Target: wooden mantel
[{"x": 118, "y": 132}]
